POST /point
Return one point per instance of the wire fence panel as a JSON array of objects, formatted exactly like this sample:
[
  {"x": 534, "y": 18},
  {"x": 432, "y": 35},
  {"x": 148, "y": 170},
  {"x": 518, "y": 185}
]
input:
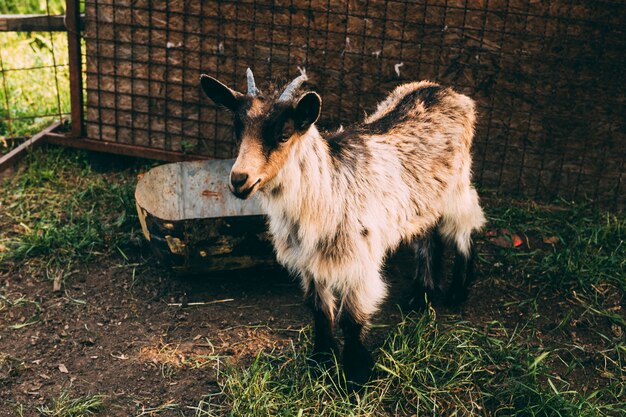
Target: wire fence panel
[
  {"x": 548, "y": 77},
  {"x": 34, "y": 88}
]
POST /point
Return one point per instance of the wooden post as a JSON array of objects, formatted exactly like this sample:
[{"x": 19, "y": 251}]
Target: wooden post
[
  {"x": 11, "y": 158},
  {"x": 72, "y": 23},
  {"x": 31, "y": 22}
]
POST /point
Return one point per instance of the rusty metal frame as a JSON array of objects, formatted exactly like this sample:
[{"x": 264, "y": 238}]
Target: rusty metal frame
[
  {"x": 72, "y": 25},
  {"x": 11, "y": 158},
  {"x": 118, "y": 148}
]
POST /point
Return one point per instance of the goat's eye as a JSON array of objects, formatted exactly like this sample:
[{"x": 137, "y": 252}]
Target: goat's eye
[{"x": 286, "y": 133}]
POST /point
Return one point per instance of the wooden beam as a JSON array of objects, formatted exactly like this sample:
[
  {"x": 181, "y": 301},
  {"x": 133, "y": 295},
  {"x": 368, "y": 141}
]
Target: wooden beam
[
  {"x": 72, "y": 22},
  {"x": 35, "y": 23},
  {"x": 31, "y": 22},
  {"x": 18, "y": 153},
  {"x": 120, "y": 148}
]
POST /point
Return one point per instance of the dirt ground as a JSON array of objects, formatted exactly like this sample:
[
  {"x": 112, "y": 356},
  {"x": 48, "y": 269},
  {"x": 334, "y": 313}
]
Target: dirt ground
[{"x": 117, "y": 328}]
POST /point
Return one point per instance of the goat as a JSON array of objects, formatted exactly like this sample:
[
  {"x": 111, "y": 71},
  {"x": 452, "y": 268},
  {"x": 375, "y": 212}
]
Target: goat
[{"x": 338, "y": 203}]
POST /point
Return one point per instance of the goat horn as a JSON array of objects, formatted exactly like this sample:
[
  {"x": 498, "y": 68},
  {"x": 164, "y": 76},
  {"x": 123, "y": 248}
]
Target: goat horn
[
  {"x": 293, "y": 86},
  {"x": 252, "y": 90}
]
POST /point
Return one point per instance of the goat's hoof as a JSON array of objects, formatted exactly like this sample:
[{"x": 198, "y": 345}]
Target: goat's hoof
[
  {"x": 321, "y": 361},
  {"x": 421, "y": 301},
  {"x": 358, "y": 366},
  {"x": 456, "y": 296},
  {"x": 418, "y": 303}
]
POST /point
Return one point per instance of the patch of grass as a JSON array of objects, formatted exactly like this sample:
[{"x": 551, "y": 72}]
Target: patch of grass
[
  {"x": 432, "y": 367},
  {"x": 155, "y": 411},
  {"x": 60, "y": 211},
  {"x": 586, "y": 259},
  {"x": 173, "y": 356},
  {"x": 66, "y": 406},
  {"x": 10, "y": 367},
  {"x": 28, "y": 308},
  {"x": 32, "y": 7},
  {"x": 425, "y": 368}
]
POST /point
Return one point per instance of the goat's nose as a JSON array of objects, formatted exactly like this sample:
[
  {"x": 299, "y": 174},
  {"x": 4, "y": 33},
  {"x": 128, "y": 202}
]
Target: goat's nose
[{"x": 237, "y": 179}]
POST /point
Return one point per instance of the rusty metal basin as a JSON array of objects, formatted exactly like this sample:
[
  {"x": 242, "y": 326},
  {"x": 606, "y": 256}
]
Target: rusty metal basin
[{"x": 194, "y": 224}]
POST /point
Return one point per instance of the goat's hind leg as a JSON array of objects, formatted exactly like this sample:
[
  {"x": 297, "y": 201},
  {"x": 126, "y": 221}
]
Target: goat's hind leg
[
  {"x": 457, "y": 228},
  {"x": 462, "y": 274},
  {"x": 427, "y": 282}
]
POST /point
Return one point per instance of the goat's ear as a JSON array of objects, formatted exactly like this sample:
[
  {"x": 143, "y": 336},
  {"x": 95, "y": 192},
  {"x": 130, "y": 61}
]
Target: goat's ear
[
  {"x": 308, "y": 110},
  {"x": 219, "y": 93}
]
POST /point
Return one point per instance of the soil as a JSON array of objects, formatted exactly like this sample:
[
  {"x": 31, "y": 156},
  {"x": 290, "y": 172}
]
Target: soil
[{"x": 121, "y": 331}]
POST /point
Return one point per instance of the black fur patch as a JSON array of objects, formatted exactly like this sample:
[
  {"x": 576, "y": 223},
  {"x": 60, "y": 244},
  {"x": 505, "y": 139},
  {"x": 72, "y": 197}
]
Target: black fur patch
[
  {"x": 428, "y": 96},
  {"x": 357, "y": 360},
  {"x": 348, "y": 148},
  {"x": 365, "y": 232},
  {"x": 275, "y": 126},
  {"x": 462, "y": 277},
  {"x": 324, "y": 340},
  {"x": 429, "y": 256},
  {"x": 241, "y": 117}
]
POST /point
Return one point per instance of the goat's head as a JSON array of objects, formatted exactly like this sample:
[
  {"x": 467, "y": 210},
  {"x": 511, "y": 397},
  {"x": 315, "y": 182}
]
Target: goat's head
[{"x": 266, "y": 128}]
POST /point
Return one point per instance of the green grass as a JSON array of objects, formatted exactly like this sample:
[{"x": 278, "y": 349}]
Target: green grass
[
  {"x": 587, "y": 263},
  {"x": 59, "y": 211},
  {"x": 66, "y": 406},
  {"x": 425, "y": 368},
  {"x": 433, "y": 367},
  {"x": 32, "y": 7}
]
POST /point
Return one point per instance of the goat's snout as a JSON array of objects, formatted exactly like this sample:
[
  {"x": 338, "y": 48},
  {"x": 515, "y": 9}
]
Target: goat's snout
[
  {"x": 240, "y": 184},
  {"x": 237, "y": 179}
]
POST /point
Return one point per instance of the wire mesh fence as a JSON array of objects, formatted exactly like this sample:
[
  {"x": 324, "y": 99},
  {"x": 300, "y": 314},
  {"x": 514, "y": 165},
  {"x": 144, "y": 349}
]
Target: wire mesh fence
[
  {"x": 548, "y": 76},
  {"x": 34, "y": 88}
]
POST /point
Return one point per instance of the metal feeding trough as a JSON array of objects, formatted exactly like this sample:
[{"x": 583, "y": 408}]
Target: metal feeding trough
[{"x": 194, "y": 224}]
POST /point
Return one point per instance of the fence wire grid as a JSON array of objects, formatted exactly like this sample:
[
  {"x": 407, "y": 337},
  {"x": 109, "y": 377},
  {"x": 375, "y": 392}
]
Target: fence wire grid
[
  {"x": 548, "y": 77},
  {"x": 34, "y": 87}
]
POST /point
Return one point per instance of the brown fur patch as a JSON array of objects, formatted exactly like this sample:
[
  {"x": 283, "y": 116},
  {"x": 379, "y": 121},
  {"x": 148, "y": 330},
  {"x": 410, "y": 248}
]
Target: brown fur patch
[{"x": 277, "y": 191}]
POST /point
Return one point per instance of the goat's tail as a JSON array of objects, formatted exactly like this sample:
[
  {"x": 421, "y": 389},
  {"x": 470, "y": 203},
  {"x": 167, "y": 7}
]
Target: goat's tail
[{"x": 469, "y": 110}]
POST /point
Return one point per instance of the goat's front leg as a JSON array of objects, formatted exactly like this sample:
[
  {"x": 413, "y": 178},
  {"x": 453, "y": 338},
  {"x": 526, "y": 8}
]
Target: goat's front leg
[
  {"x": 357, "y": 360},
  {"x": 322, "y": 303},
  {"x": 358, "y": 308}
]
